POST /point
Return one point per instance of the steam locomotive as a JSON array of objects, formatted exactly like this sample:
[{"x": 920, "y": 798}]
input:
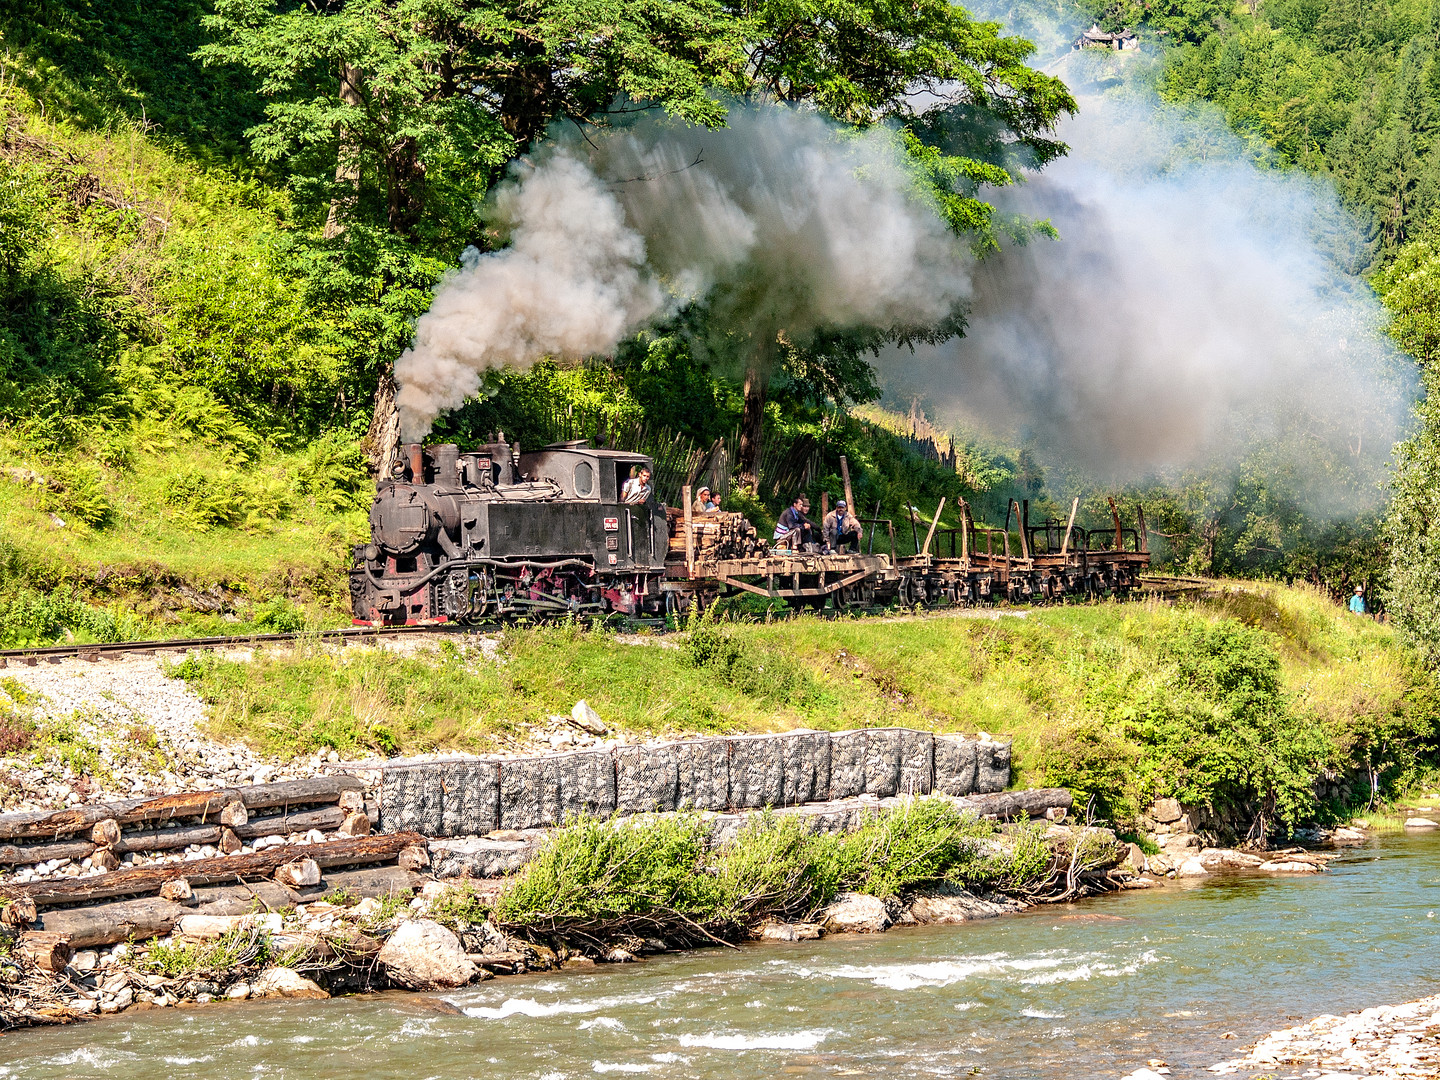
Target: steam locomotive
[{"x": 495, "y": 532}]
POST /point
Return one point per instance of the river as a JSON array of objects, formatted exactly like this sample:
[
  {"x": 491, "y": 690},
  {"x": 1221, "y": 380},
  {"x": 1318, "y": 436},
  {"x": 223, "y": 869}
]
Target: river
[{"x": 1093, "y": 989}]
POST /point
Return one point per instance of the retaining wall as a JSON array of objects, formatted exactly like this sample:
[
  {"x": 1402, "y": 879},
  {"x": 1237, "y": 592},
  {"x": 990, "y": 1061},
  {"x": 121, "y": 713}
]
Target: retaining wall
[{"x": 471, "y": 798}]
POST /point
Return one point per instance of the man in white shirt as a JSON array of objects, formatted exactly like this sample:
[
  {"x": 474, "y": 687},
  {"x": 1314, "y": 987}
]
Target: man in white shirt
[{"x": 637, "y": 489}]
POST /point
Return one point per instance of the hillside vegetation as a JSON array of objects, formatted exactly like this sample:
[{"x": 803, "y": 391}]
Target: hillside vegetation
[{"x": 1239, "y": 702}]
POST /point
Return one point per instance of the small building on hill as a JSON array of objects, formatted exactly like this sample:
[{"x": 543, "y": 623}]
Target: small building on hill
[{"x": 1095, "y": 38}]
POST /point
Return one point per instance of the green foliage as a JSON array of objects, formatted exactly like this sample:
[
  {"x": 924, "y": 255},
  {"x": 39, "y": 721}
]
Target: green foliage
[
  {"x": 594, "y": 870},
  {"x": 224, "y": 958},
  {"x": 775, "y": 866},
  {"x": 31, "y": 617}
]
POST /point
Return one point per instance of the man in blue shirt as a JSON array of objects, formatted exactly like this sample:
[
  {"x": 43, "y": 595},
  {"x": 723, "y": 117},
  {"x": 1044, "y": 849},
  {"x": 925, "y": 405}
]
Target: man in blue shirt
[{"x": 1357, "y": 602}]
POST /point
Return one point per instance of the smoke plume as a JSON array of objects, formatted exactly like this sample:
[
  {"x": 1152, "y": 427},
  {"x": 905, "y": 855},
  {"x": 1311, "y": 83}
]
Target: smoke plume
[
  {"x": 778, "y": 224},
  {"x": 1195, "y": 307}
]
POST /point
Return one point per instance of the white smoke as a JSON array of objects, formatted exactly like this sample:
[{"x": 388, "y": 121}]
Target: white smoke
[
  {"x": 1196, "y": 306},
  {"x": 778, "y": 223},
  {"x": 570, "y": 284}
]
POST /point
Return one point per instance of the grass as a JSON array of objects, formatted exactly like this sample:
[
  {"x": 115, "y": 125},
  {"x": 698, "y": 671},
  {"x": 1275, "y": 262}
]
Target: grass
[
  {"x": 1021, "y": 677},
  {"x": 595, "y": 871}
]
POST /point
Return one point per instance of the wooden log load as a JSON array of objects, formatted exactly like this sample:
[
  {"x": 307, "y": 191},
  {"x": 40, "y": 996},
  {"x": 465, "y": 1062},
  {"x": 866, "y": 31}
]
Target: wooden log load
[
  {"x": 51, "y": 824},
  {"x": 222, "y": 869}
]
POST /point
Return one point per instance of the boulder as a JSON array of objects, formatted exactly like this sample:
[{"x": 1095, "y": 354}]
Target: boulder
[
  {"x": 1191, "y": 867},
  {"x": 1160, "y": 864},
  {"x": 1228, "y": 859},
  {"x": 957, "y": 906},
  {"x": 854, "y": 913},
  {"x": 587, "y": 719},
  {"x": 1290, "y": 866},
  {"x": 423, "y": 955},
  {"x": 1166, "y": 810},
  {"x": 283, "y": 982},
  {"x": 1421, "y": 823},
  {"x": 955, "y": 765},
  {"x": 1135, "y": 858},
  {"x": 784, "y": 931}
]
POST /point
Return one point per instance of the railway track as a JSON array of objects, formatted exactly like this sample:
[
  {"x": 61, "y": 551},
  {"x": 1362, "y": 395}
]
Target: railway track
[{"x": 32, "y": 656}]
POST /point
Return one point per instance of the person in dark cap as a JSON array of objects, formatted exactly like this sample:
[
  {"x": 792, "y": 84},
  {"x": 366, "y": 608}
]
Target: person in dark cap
[{"x": 841, "y": 529}]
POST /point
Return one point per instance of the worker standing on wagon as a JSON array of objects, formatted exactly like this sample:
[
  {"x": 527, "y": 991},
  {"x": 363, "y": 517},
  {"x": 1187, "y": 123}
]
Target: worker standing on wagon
[
  {"x": 637, "y": 489},
  {"x": 841, "y": 530}
]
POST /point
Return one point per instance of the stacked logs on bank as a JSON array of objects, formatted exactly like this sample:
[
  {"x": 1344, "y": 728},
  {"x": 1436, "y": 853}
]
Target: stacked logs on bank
[{"x": 152, "y": 898}]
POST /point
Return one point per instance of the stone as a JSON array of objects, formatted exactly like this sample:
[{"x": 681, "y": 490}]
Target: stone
[
  {"x": 412, "y": 799},
  {"x": 351, "y": 800},
  {"x": 298, "y": 874},
  {"x": 229, "y": 842},
  {"x": 105, "y": 859},
  {"x": 423, "y": 955},
  {"x": 178, "y": 890},
  {"x": 84, "y": 961},
  {"x": 955, "y": 765},
  {"x": 285, "y": 983},
  {"x": 413, "y": 857},
  {"x": 587, "y": 784},
  {"x": 105, "y": 833},
  {"x": 234, "y": 814},
  {"x": 1135, "y": 858},
  {"x": 992, "y": 767},
  {"x": 1191, "y": 867},
  {"x": 1290, "y": 866},
  {"x": 587, "y": 719},
  {"x": 1228, "y": 859},
  {"x": 647, "y": 779},
  {"x": 537, "y": 793},
  {"x": 703, "y": 767},
  {"x": 479, "y": 857},
  {"x": 211, "y": 926},
  {"x": 471, "y": 802},
  {"x": 854, "y": 913},
  {"x": 122, "y": 1000},
  {"x": 1166, "y": 811},
  {"x": 358, "y": 824},
  {"x": 956, "y": 905},
  {"x": 620, "y": 956},
  {"x": 239, "y": 992},
  {"x": 784, "y": 931},
  {"x": 1160, "y": 863},
  {"x": 1421, "y": 823}
]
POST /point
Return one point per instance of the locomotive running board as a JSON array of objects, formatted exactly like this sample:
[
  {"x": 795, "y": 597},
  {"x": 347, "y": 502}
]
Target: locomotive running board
[{"x": 792, "y": 594}]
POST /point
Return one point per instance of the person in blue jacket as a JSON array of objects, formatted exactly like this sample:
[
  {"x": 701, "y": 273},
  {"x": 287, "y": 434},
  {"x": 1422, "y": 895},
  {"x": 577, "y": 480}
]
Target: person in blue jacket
[{"x": 1357, "y": 602}]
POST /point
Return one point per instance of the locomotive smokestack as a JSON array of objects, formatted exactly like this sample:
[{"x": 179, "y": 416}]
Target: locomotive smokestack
[{"x": 417, "y": 463}]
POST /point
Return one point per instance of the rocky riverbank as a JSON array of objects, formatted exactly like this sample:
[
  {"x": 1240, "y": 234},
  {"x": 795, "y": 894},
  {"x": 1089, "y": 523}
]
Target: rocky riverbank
[{"x": 1389, "y": 1042}]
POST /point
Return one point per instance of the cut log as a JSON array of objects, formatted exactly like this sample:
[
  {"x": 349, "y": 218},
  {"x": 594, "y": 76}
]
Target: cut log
[
  {"x": 356, "y": 824},
  {"x": 105, "y": 859},
  {"x": 168, "y": 839},
  {"x": 1011, "y": 804},
  {"x": 317, "y": 789},
  {"x": 378, "y": 881},
  {"x": 36, "y": 824},
  {"x": 30, "y": 854},
  {"x": 225, "y": 868},
  {"x": 284, "y": 824},
  {"x": 234, "y": 814},
  {"x": 110, "y": 924},
  {"x": 177, "y": 889},
  {"x": 254, "y": 896},
  {"x": 18, "y": 913},
  {"x": 229, "y": 842},
  {"x": 50, "y": 950}
]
